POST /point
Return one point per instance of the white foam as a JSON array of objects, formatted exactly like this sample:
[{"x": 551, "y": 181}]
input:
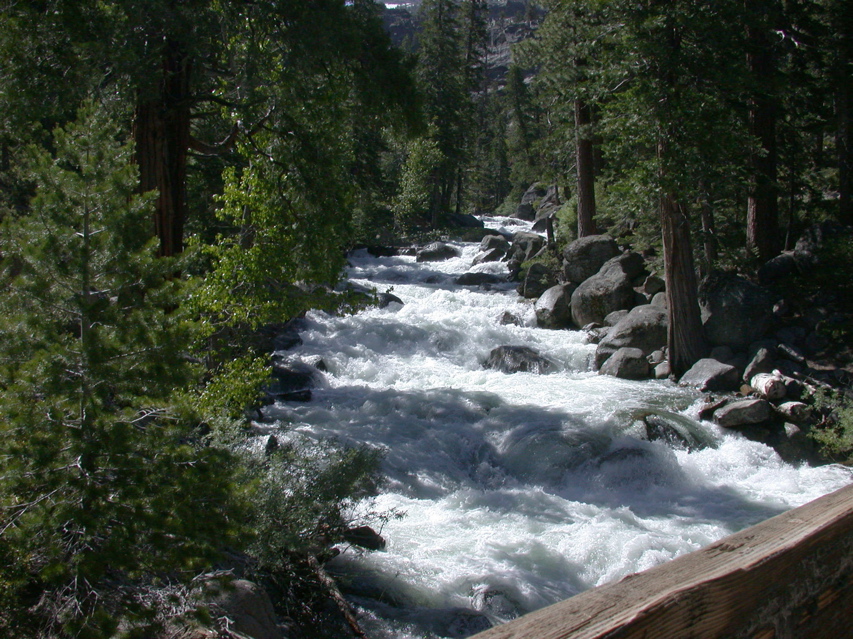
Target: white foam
[{"x": 519, "y": 490}]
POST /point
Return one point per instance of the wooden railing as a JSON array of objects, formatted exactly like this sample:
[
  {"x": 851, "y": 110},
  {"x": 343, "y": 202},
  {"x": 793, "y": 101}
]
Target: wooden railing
[{"x": 789, "y": 577}]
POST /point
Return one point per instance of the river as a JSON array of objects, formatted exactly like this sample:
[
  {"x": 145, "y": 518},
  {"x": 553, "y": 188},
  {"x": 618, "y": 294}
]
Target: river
[{"x": 515, "y": 490}]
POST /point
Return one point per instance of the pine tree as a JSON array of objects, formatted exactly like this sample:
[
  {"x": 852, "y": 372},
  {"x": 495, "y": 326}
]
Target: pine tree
[{"x": 102, "y": 485}]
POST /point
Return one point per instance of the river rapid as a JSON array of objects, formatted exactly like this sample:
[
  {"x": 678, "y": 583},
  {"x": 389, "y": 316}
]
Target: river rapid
[{"x": 515, "y": 490}]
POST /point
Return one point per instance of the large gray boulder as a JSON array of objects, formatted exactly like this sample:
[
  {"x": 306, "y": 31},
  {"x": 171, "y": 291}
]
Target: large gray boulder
[
  {"x": 525, "y": 246},
  {"x": 627, "y": 363},
  {"x": 584, "y": 257},
  {"x": 518, "y": 359},
  {"x": 526, "y": 209},
  {"x": 710, "y": 375},
  {"x": 611, "y": 289},
  {"x": 537, "y": 279},
  {"x": 548, "y": 204},
  {"x": 735, "y": 312},
  {"x": 494, "y": 242},
  {"x": 553, "y": 308},
  {"x": 644, "y": 327},
  {"x": 745, "y": 412},
  {"x": 436, "y": 252},
  {"x": 479, "y": 279}
]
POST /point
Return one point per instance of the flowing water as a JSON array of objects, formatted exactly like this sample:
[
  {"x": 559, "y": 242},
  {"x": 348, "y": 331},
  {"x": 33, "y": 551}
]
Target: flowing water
[{"x": 515, "y": 490}]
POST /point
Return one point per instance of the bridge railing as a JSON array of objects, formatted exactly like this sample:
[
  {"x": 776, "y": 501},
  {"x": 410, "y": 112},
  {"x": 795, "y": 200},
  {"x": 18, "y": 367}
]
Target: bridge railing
[{"x": 789, "y": 577}]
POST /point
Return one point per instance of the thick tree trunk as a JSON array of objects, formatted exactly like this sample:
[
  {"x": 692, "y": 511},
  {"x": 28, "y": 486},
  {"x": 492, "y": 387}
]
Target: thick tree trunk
[
  {"x": 162, "y": 136},
  {"x": 762, "y": 219},
  {"x": 585, "y": 163},
  {"x": 686, "y": 344}
]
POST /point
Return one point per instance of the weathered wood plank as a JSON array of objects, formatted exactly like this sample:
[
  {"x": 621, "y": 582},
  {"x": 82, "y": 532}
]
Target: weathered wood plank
[{"x": 788, "y": 577}]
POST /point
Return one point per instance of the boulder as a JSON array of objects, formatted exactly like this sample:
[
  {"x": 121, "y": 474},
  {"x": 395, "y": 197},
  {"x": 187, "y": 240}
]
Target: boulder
[
  {"x": 584, "y": 257},
  {"x": 762, "y": 362},
  {"x": 613, "y": 318},
  {"x": 722, "y": 354},
  {"x": 479, "y": 279},
  {"x": 609, "y": 290},
  {"x": 735, "y": 312},
  {"x": 384, "y": 300},
  {"x": 548, "y": 204},
  {"x": 492, "y": 255},
  {"x": 553, "y": 308},
  {"x": 782, "y": 266},
  {"x": 519, "y": 359},
  {"x": 465, "y": 220},
  {"x": 671, "y": 432},
  {"x": 525, "y": 246},
  {"x": 794, "y": 445},
  {"x": 798, "y": 413},
  {"x": 364, "y": 537},
  {"x": 627, "y": 363},
  {"x": 710, "y": 375},
  {"x": 530, "y": 202},
  {"x": 537, "y": 279},
  {"x": 662, "y": 370},
  {"x": 792, "y": 353},
  {"x": 436, "y": 252},
  {"x": 289, "y": 376},
  {"x": 643, "y": 327},
  {"x": 652, "y": 285},
  {"x": 491, "y": 242},
  {"x": 246, "y": 605},
  {"x": 745, "y": 412},
  {"x": 510, "y": 319}
]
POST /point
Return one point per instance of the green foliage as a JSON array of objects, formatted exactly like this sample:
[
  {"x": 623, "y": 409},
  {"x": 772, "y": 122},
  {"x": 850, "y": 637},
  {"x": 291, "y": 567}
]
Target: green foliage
[
  {"x": 835, "y": 438},
  {"x": 102, "y": 484},
  {"x": 303, "y": 497},
  {"x": 414, "y": 204}
]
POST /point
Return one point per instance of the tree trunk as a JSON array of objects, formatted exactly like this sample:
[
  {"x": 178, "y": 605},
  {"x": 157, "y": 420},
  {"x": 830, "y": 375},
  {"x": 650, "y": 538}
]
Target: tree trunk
[
  {"x": 762, "y": 218},
  {"x": 709, "y": 237},
  {"x": 585, "y": 163},
  {"x": 162, "y": 136},
  {"x": 686, "y": 344},
  {"x": 844, "y": 145}
]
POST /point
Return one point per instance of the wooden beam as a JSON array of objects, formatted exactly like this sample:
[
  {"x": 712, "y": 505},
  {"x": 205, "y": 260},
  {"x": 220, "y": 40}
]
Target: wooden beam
[{"x": 788, "y": 577}]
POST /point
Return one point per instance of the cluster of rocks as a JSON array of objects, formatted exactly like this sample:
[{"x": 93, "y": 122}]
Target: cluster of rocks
[
  {"x": 763, "y": 356},
  {"x": 539, "y": 203}
]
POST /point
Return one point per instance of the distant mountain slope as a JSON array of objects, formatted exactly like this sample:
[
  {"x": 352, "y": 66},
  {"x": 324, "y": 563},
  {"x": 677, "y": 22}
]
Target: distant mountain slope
[{"x": 509, "y": 22}]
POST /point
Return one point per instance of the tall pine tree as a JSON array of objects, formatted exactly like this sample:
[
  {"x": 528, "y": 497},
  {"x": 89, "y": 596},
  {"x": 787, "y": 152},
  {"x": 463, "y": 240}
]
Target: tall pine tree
[{"x": 101, "y": 485}]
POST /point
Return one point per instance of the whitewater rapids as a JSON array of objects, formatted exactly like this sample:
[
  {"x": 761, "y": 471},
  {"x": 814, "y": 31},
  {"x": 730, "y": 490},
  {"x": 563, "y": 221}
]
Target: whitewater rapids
[{"x": 516, "y": 491}]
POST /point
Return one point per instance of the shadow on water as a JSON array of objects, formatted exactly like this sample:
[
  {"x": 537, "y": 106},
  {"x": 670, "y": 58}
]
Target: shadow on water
[
  {"x": 513, "y": 461},
  {"x": 437, "y": 442}
]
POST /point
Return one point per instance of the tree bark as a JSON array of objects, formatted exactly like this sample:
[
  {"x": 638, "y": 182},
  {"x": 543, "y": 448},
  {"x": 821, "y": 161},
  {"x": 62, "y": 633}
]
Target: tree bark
[
  {"x": 844, "y": 145},
  {"x": 585, "y": 163},
  {"x": 686, "y": 344},
  {"x": 762, "y": 218},
  {"x": 709, "y": 239},
  {"x": 162, "y": 136}
]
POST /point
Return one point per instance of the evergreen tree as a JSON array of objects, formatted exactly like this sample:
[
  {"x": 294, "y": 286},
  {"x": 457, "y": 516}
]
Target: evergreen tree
[
  {"x": 762, "y": 21},
  {"x": 102, "y": 486},
  {"x": 443, "y": 78},
  {"x": 572, "y": 35},
  {"x": 671, "y": 119}
]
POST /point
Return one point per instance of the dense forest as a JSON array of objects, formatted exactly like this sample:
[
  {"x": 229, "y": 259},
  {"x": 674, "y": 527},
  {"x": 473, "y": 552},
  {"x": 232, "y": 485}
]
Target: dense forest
[{"x": 180, "y": 177}]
